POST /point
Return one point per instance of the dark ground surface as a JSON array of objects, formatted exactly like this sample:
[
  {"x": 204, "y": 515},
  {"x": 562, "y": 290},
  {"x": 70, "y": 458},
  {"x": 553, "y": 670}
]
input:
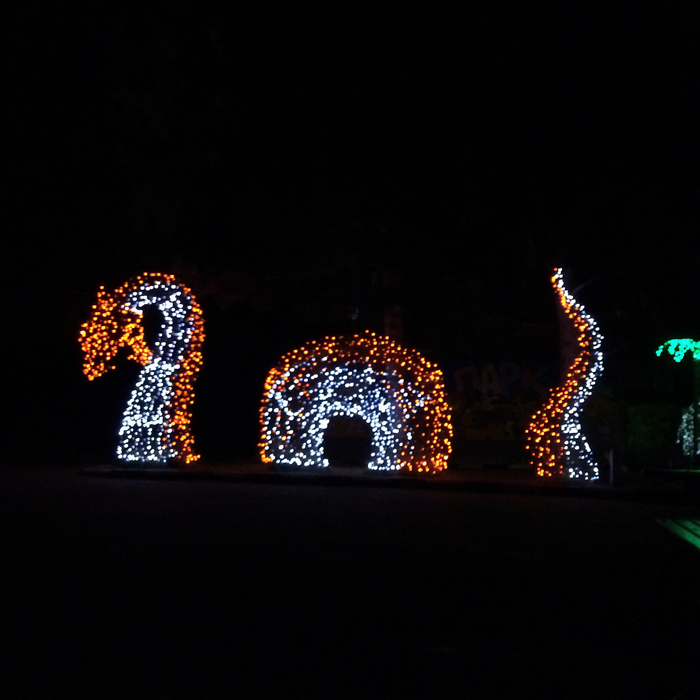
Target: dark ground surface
[{"x": 149, "y": 588}]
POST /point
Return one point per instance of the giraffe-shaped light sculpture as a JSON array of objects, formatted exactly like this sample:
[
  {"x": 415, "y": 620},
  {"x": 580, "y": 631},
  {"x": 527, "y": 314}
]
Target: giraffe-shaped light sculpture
[
  {"x": 156, "y": 423},
  {"x": 555, "y": 439}
]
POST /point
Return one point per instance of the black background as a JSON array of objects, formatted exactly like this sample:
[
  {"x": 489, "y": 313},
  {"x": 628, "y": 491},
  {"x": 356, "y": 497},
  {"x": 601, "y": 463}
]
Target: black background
[{"x": 293, "y": 161}]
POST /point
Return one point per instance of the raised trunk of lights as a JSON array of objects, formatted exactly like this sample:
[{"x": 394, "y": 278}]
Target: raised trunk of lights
[
  {"x": 156, "y": 424},
  {"x": 555, "y": 439}
]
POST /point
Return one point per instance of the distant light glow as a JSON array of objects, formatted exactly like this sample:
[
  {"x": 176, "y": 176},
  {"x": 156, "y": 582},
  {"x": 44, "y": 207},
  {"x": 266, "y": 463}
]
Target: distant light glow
[
  {"x": 395, "y": 390},
  {"x": 686, "y": 436},
  {"x": 689, "y": 530},
  {"x": 679, "y": 347},
  {"x": 555, "y": 439},
  {"x": 156, "y": 424}
]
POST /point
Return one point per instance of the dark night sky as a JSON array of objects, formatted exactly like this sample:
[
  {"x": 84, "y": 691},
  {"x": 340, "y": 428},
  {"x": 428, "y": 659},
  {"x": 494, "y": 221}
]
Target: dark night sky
[{"x": 288, "y": 157}]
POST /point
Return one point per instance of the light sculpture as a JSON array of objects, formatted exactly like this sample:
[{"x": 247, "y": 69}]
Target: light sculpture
[
  {"x": 156, "y": 423},
  {"x": 678, "y": 347},
  {"x": 688, "y": 436},
  {"x": 395, "y": 390},
  {"x": 555, "y": 439}
]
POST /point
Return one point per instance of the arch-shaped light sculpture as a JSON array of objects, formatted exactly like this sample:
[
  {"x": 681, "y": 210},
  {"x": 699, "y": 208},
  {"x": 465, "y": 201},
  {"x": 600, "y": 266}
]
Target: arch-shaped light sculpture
[
  {"x": 395, "y": 390},
  {"x": 156, "y": 424},
  {"x": 555, "y": 439}
]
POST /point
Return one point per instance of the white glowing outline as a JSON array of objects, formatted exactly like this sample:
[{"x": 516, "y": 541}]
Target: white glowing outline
[
  {"x": 300, "y": 402},
  {"x": 555, "y": 437},
  {"x": 146, "y": 434},
  {"x": 577, "y": 453},
  {"x": 686, "y": 432}
]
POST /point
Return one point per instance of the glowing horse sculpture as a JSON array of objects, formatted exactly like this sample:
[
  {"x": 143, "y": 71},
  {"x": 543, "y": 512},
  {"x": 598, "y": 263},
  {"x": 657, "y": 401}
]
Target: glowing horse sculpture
[
  {"x": 396, "y": 391},
  {"x": 156, "y": 424},
  {"x": 555, "y": 439}
]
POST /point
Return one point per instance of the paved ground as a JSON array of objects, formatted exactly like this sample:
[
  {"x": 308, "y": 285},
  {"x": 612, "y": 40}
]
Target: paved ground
[
  {"x": 153, "y": 587},
  {"x": 663, "y": 486}
]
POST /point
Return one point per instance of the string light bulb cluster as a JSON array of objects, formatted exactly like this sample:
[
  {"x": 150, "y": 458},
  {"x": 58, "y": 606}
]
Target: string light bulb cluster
[
  {"x": 156, "y": 423},
  {"x": 554, "y": 438},
  {"x": 395, "y": 390},
  {"x": 678, "y": 347},
  {"x": 687, "y": 436}
]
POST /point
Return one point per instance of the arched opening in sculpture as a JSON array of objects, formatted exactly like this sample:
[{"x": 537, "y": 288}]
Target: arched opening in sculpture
[
  {"x": 396, "y": 391},
  {"x": 347, "y": 442}
]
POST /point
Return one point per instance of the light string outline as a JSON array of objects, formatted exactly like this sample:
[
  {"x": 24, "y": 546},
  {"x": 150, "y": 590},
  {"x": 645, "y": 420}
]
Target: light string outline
[
  {"x": 156, "y": 423},
  {"x": 555, "y": 439},
  {"x": 398, "y": 392},
  {"x": 687, "y": 436}
]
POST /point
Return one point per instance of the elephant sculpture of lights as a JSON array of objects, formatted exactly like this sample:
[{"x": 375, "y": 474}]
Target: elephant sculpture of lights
[
  {"x": 396, "y": 391},
  {"x": 156, "y": 424},
  {"x": 555, "y": 438}
]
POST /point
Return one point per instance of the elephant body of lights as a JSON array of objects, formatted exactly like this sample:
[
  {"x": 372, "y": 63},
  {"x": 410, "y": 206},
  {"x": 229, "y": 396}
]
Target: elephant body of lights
[{"x": 396, "y": 391}]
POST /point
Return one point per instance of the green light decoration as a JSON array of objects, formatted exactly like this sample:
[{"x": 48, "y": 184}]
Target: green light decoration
[
  {"x": 688, "y": 530},
  {"x": 678, "y": 347},
  {"x": 688, "y": 437}
]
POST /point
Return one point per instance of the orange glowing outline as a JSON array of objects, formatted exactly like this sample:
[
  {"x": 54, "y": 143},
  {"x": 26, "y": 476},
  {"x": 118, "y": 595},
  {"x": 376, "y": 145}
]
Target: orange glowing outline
[
  {"x": 544, "y": 439},
  {"x": 429, "y": 450},
  {"x": 112, "y": 326}
]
